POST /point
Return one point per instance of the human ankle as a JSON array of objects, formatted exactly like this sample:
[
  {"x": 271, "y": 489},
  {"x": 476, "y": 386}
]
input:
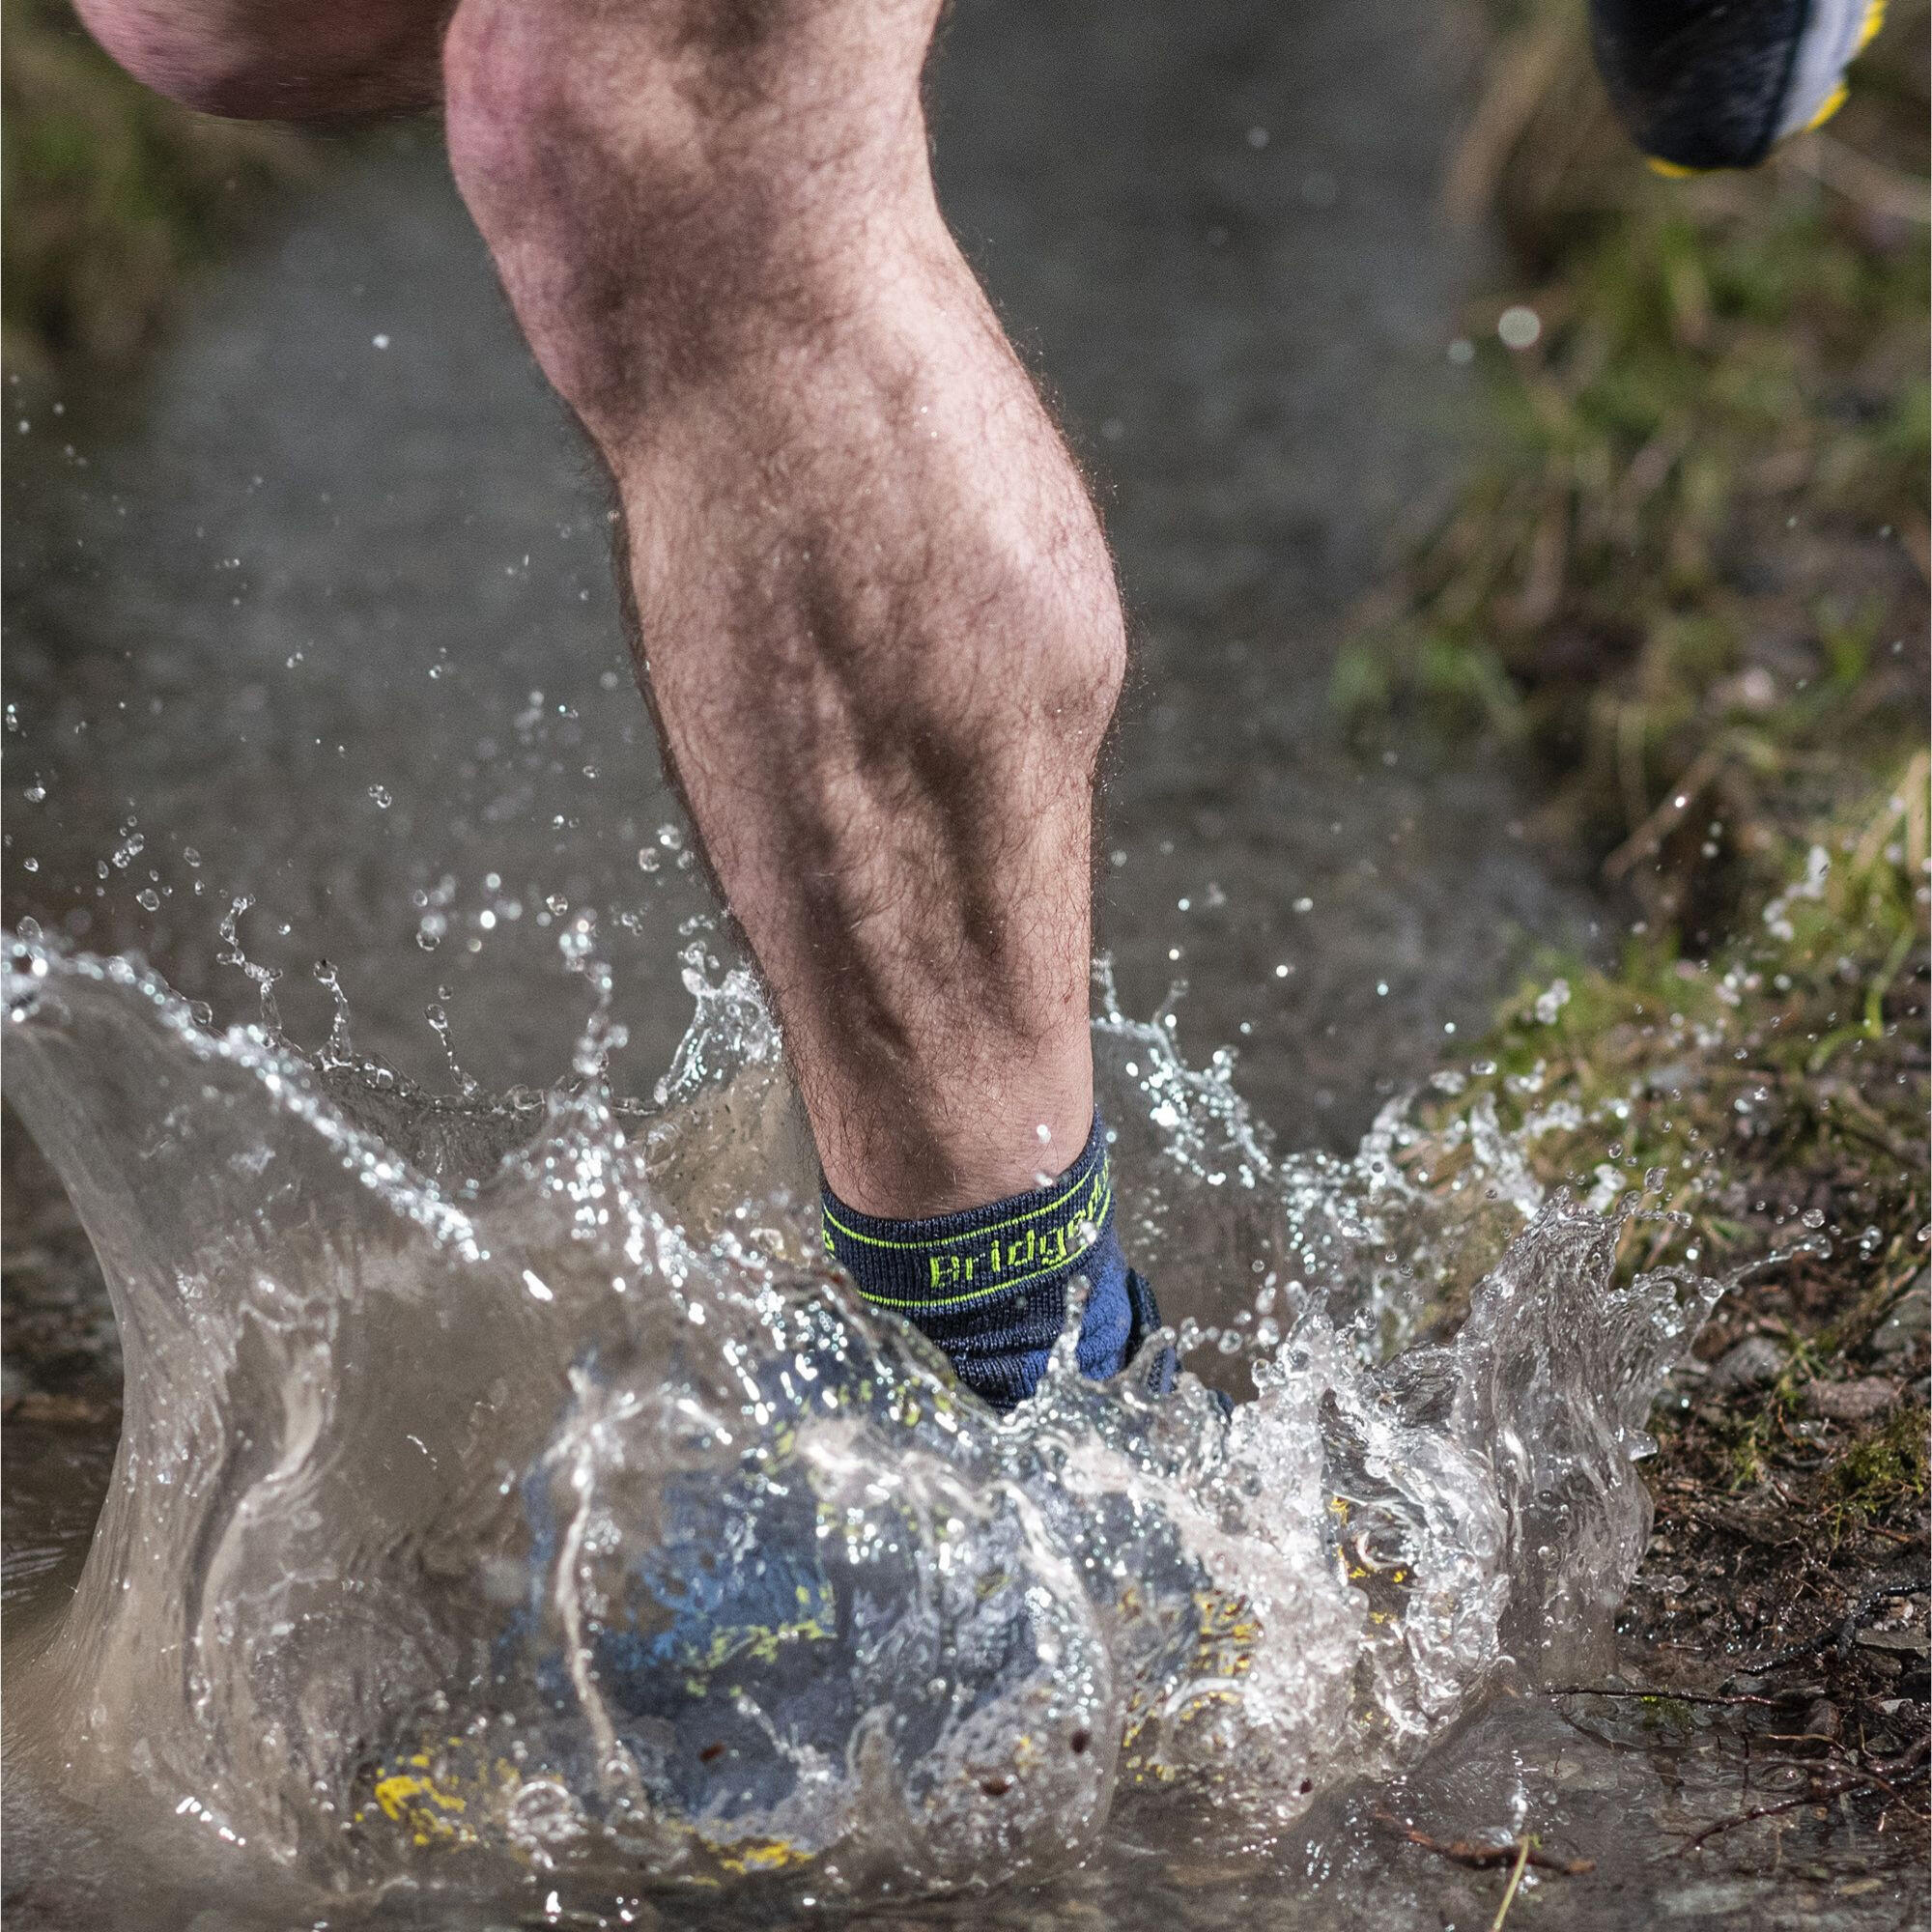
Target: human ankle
[{"x": 990, "y": 1284}]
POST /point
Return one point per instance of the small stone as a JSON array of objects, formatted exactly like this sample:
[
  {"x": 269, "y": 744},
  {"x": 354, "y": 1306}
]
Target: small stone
[
  {"x": 1907, "y": 1326},
  {"x": 1822, "y": 1720},
  {"x": 60, "y": 1411},
  {"x": 1856, "y": 1401},
  {"x": 1904, "y": 1642},
  {"x": 1755, "y": 1362}
]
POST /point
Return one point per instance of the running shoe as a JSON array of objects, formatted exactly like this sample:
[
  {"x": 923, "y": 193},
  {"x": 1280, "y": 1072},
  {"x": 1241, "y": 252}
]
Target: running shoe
[{"x": 1706, "y": 84}]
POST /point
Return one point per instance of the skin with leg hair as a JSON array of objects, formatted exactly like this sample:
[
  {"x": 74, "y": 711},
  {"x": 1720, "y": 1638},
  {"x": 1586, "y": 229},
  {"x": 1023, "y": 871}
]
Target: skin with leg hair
[
  {"x": 267, "y": 60},
  {"x": 877, "y": 615}
]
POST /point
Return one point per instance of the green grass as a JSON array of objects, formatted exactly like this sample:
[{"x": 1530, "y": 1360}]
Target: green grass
[
  {"x": 1686, "y": 584},
  {"x": 1683, "y": 587},
  {"x": 113, "y": 197},
  {"x": 1790, "y": 1060},
  {"x": 1768, "y": 1099}
]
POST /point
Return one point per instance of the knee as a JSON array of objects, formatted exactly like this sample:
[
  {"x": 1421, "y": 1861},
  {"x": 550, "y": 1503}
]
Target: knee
[
  {"x": 578, "y": 108},
  {"x": 256, "y": 59},
  {"x": 643, "y": 172}
]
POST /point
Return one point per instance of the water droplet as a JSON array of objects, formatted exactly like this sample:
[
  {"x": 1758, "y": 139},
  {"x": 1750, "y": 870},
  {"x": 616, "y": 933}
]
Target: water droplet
[
  {"x": 381, "y": 794},
  {"x": 438, "y": 1016},
  {"x": 1519, "y": 326}
]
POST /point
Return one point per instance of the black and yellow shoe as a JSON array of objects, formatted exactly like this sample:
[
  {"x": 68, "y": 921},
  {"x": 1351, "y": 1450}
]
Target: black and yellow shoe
[{"x": 1706, "y": 84}]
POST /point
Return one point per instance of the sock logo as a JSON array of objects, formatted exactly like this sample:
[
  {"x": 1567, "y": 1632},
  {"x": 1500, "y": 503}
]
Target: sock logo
[
  {"x": 1007, "y": 1258},
  {"x": 960, "y": 1258}
]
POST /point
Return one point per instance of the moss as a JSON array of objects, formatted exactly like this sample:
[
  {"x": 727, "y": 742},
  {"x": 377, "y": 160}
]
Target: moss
[
  {"x": 1884, "y": 1467},
  {"x": 1776, "y": 1085},
  {"x": 1768, "y": 1101},
  {"x": 113, "y": 196}
]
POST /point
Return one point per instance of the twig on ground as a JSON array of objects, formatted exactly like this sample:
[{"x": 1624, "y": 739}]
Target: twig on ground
[
  {"x": 1648, "y": 1696},
  {"x": 1912, "y": 1759},
  {"x": 1485, "y": 1857},
  {"x": 1876, "y": 1777},
  {"x": 1843, "y": 1635},
  {"x": 1824, "y": 1795}
]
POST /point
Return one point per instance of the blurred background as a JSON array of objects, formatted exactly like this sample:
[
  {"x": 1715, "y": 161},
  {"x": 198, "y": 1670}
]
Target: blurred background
[{"x": 1523, "y": 550}]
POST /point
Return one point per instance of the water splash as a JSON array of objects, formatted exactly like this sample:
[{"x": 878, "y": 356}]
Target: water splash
[{"x": 508, "y": 1483}]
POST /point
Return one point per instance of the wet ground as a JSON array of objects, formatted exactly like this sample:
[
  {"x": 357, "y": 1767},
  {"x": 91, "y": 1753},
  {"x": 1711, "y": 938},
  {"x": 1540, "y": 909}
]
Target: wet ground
[{"x": 324, "y": 618}]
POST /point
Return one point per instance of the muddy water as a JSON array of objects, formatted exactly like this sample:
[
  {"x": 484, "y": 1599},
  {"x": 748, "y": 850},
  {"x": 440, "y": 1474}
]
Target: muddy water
[{"x": 331, "y": 629}]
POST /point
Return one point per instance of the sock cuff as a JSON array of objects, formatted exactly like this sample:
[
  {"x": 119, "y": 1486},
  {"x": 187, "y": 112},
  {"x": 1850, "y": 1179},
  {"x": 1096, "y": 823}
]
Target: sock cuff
[{"x": 955, "y": 1261}]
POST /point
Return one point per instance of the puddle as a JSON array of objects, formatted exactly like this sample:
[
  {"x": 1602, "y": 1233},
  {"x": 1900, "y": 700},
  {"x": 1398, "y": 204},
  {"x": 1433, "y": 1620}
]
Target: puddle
[
  {"x": 506, "y": 1478},
  {"x": 510, "y": 1516}
]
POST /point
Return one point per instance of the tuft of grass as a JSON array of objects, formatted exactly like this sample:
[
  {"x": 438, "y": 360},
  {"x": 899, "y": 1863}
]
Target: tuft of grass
[
  {"x": 1770, "y": 1100},
  {"x": 113, "y": 196},
  {"x": 1761, "y": 1094},
  {"x": 1684, "y": 589}
]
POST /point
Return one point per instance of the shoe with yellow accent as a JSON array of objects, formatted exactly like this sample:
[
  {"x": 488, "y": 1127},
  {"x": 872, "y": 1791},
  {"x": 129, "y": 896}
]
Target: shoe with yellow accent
[{"x": 1705, "y": 84}]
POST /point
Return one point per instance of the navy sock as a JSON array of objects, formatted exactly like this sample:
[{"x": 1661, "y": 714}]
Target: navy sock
[{"x": 988, "y": 1285}]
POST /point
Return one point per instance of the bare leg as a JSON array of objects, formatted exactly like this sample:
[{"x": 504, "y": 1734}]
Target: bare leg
[
  {"x": 877, "y": 615},
  {"x": 330, "y": 60}
]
